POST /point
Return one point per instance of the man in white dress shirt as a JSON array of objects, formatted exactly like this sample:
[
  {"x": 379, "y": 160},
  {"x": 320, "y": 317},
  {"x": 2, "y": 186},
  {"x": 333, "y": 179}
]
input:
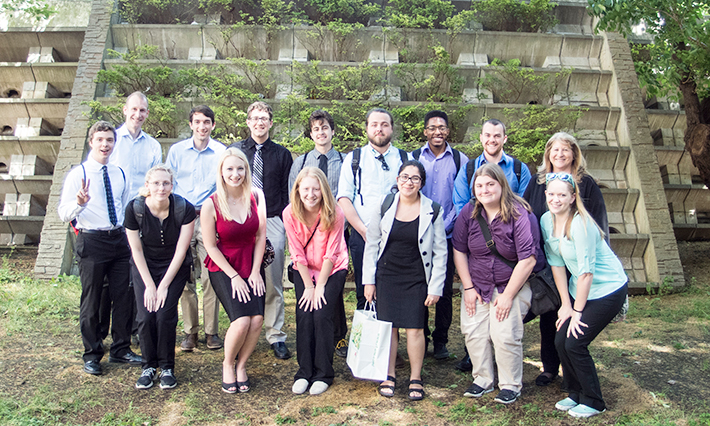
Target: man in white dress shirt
[{"x": 95, "y": 195}]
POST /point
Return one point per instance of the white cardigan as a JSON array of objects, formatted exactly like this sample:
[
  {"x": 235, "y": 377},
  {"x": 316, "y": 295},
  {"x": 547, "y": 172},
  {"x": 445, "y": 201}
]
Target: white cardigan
[{"x": 432, "y": 244}]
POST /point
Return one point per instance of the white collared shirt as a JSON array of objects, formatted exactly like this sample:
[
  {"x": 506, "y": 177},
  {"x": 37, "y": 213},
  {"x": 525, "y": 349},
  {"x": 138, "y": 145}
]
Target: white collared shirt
[
  {"x": 93, "y": 215},
  {"x": 135, "y": 157}
]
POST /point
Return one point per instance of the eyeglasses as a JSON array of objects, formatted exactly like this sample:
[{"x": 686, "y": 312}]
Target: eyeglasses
[
  {"x": 261, "y": 119},
  {"x": 163, "y": 184},
  {"x": 564, "y": 177},
  {"x": 442, "y": 129},
  {"x": 416, "y": 180}
]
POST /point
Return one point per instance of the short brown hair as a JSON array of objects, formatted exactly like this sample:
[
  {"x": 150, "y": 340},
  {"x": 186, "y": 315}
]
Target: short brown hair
[{"x": 101, "y": 126}]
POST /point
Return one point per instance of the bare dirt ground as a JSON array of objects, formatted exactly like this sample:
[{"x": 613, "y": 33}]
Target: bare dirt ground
[{"x": 644, "y": 362}]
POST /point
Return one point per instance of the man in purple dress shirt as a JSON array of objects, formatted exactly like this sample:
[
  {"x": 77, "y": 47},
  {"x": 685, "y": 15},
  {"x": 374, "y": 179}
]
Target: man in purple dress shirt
[{"x": 442, "y": 163}]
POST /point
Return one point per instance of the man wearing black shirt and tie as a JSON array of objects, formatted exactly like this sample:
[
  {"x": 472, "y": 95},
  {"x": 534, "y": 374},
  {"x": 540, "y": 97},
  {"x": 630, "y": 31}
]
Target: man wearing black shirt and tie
[
  {"x": 270, "y": 164},
  {"x": 95, "y": 195}
]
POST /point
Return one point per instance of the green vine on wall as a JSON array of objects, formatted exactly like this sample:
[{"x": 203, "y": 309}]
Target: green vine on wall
[{"x": 511, "y": 83}]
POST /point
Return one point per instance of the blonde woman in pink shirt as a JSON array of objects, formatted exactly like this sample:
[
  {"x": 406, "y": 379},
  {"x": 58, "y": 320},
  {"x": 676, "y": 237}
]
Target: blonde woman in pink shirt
[{"x": 314, "y": 226}]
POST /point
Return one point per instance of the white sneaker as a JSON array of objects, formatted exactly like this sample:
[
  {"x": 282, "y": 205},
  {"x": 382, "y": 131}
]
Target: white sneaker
[
  {"x": 299, "y": 386},
  {"x": 318, "y": 387},
  {"x": 584, "y": 411},
  {"x": 566, "y": 404}
]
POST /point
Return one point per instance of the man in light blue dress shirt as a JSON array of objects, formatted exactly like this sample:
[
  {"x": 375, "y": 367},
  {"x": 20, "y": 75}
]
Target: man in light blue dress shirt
[
  {"x": 442, "y": 166},
  {"x": 135, "y": 151},
  {"x": 194, "y": 162},
  {"x": 492, "y": 138}
]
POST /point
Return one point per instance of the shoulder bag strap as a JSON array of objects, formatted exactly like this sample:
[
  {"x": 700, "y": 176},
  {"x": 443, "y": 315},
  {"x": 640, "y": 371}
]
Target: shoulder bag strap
[{"x": 489, "y": 241}]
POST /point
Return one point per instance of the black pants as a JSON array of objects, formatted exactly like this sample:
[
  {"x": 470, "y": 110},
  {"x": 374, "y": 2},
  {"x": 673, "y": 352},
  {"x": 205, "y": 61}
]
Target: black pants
[
  {"x": 444, "y": 310},
  {"x": 314, "y": 332},
  {"x": 157, "y": 329},
  {"x": 339, "y": 319},
  {"x": 580, "y": 374},
  {"x": 357, "y": 251},
  {"x": 100, "y": 256}
]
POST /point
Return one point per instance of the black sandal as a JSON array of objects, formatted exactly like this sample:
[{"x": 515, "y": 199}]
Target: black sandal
[
  {"x": 388, "y": 387},
  {"x": 545, "y": 378},
  {"x": 418, "y": 393}
]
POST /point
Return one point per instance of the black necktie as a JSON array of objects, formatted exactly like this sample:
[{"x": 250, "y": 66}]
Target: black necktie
[
  {"x": 323, "y": 164},
  {"x": 109, "y": 197}
]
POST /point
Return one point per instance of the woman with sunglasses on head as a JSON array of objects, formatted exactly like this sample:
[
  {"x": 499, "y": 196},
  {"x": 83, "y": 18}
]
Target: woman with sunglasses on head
[
  {"x": 403, "y": 283},
  {"x": 316, "y": 241},
  {"x": 562, "y": 155},
  {"x": 159, "y": 233},
  {"x": 233, "y": 224},
  {"x": 594, "y": 294},
  {"x": 496, "y": 295}
]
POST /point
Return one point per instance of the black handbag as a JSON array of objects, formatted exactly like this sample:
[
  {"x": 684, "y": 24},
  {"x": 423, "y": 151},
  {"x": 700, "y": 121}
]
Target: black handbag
[
  {"x": 545, "y": 297},
  {"x": 290, "y": 272}
]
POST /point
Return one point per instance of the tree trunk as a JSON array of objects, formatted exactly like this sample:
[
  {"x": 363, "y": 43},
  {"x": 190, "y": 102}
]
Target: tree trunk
[{"x": 697, "y": 134}]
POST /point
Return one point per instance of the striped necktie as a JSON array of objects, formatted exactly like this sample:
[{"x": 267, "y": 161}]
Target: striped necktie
[
  {"x": 258, "y": 174},
  {"x": 109, "y": 197},
  {"x": 323, "y": 164}
]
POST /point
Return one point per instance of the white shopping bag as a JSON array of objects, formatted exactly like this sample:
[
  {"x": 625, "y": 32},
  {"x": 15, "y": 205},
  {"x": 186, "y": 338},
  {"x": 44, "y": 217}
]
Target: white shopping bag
[{"x": 369, "y": 347}]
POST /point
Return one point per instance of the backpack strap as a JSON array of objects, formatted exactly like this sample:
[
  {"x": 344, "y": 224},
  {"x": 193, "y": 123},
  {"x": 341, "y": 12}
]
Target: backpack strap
[
  {"x": 417, "y": 153},
  {"x": 303, "y": 162},
  {"x": 457, "y": 158},
  {"x": 437, "y": 209},
  {"x": 139, "y": 212},
  {"x": 179, "y": 211},
  {"x": 470, "y": 170},
  {"x": 386, "y": 204},
  {"x": 403, "y": 155},
  {"x": 357, "y": 173},
  {"x": 517, "y": 167}
]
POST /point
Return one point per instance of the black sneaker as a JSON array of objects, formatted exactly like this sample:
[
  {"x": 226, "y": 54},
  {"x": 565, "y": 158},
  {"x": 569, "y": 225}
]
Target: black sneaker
[
  {"x": 167, "y": 379},
  {"x": 341, "y": 349},
  {"x": 475, "y": 391},
  {"x": 507, "y": 396},
  {"x": 145, "y": 381}
]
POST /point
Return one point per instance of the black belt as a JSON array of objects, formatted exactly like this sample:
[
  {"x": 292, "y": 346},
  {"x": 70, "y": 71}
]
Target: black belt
[{"x": 109, "y": 233}]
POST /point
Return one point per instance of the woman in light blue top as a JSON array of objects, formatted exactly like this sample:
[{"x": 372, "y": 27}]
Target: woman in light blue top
[{"x": 596, "y": 291}]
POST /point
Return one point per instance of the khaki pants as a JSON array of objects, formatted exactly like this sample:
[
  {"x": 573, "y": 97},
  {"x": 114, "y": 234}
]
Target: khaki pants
[
  {"x": 274, "y": 304},
  {"x": 483, "y": 328},
  {"x": 188, "y": 301}
]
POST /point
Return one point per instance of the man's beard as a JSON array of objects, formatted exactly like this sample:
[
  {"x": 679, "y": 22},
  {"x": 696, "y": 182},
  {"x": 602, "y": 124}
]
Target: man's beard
[{"x": 382, "y": 143}]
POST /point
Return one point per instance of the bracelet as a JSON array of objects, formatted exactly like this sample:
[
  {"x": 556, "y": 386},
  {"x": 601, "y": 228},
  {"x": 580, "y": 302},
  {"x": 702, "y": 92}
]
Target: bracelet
[
  {"x": 470, "y": 288},
  {"x": 308, "y": 288},
  {"x": 235, "y": 276},
  {"x": 579, "y": 312}
]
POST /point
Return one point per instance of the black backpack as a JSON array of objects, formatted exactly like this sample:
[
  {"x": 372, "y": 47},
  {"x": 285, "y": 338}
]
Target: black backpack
[
  {"x": 139, "y": 211},
  {"x": 357, "y": 171}
]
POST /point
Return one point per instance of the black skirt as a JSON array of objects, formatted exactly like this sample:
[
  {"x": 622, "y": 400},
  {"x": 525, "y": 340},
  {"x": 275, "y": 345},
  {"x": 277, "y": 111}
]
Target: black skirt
[
  {"x": 400, "y": 278},
  {"x": 222, "y": 286}
]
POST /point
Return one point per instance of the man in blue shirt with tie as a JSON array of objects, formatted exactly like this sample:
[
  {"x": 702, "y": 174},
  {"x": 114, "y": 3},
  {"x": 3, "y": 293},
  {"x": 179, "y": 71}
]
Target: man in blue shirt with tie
[
  {"x": 94, "y": 195},
  {"x": 194, "y": 162}
]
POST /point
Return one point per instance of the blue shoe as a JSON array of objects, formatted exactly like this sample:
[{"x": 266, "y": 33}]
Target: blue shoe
[
  {"x": 566, "y": 404},
  {"x": 583, "y": 411}
]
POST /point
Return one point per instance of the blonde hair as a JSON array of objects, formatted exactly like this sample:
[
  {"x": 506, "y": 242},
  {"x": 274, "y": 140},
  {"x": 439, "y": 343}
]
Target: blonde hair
[
  {"x": 577, "y": 208},
  {"x": 578, "y": 166},
  {"x": 145, "y": 191},
  {"x": 327, "y": 202},
  {"x": 222, "y": 205},
  {"x": 508, "y": 199}
]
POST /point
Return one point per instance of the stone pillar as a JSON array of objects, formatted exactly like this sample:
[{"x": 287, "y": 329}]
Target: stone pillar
[
  {"x": 642, "y": 172},
  {"x": 55, "y": 252}
]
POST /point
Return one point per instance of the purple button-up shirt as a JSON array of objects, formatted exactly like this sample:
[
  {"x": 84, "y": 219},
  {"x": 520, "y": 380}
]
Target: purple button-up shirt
[
  {"x": 518, "y": 239},
  {"x": 441, "y": 173}
]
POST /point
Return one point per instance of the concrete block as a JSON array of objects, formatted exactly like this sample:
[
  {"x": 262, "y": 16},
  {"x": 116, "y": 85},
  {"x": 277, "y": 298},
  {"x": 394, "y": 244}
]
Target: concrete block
[
  {"x": 28, "y": 90},
  {"x": 552, "y": 62},
  {"x": 29, "y": 127},
  {"x": 580, "y": 63},
  {"x": 384, "y": 56},
  {"x": 10, "y": 206},
  {"x": 28, "y": 165},
  {"x": 195, "y": 54},
  {"x": 209, "y": 19},
  {"x": 40, "y": 90},
  {"x": 477, "y": 96},
  {"x": 45, "y": 54},
  {"x": 615, "y": 218},
  {"x": 474, "y": 59},
  {"x": 389, "y": 94},
  {"x": 6, "y": 239},
  {"x": 29, "y": 205}
]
